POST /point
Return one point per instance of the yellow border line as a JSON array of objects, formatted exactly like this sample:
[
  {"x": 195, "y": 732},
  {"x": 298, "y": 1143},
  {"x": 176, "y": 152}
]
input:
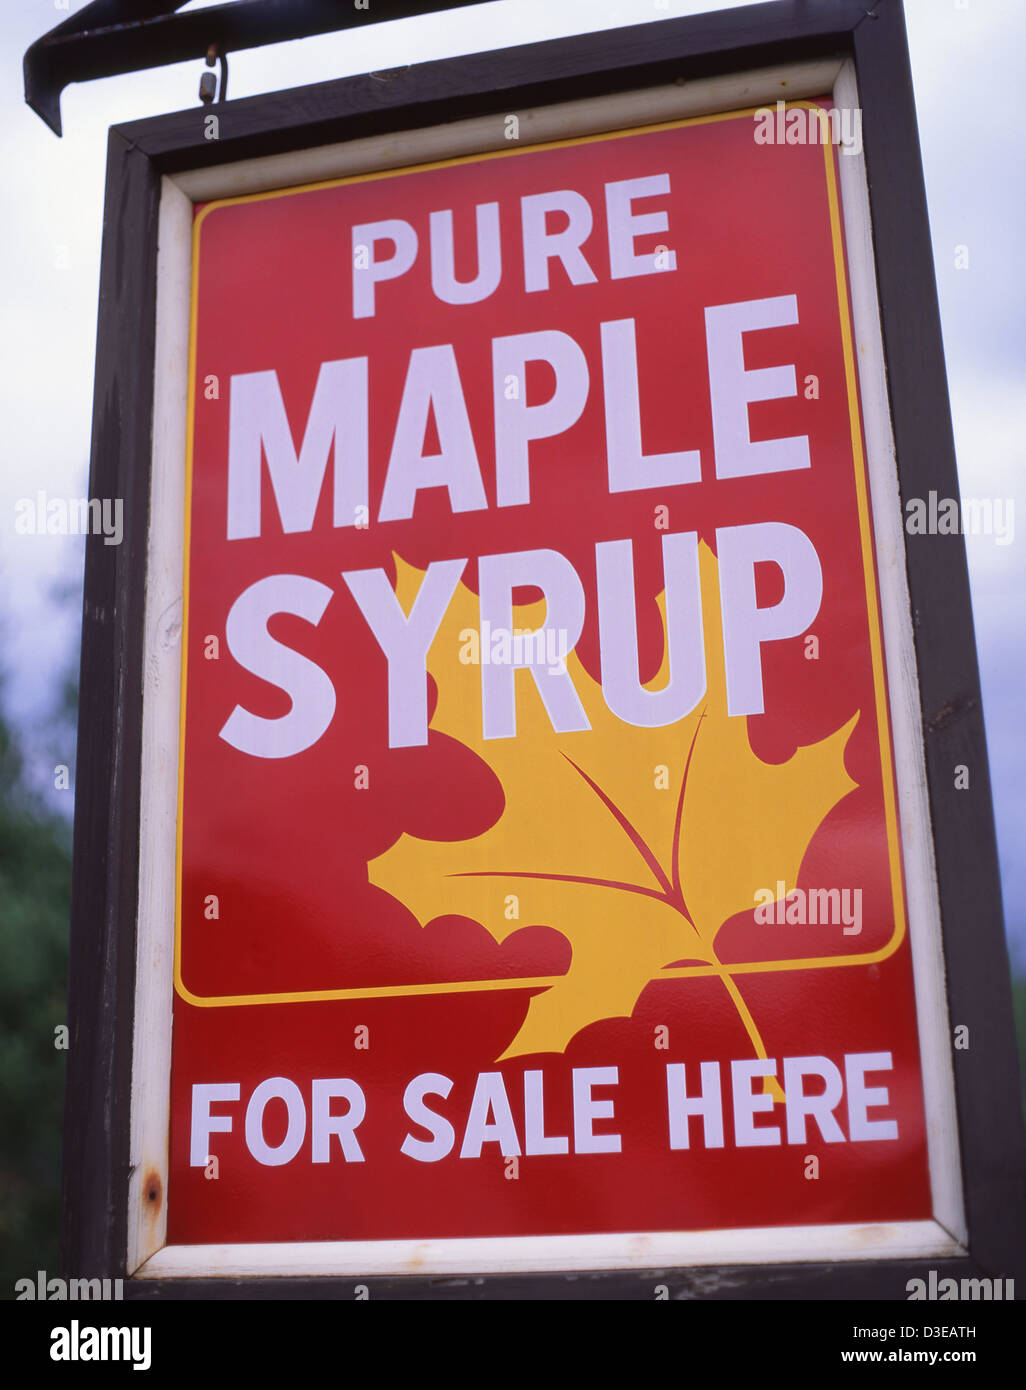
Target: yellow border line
[{"x": 869, "y": 575}]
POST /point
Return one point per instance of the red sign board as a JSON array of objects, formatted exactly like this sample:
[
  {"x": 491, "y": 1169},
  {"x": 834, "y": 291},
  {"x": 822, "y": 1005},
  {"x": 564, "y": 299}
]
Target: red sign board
[{"x": 539, "y": 862}]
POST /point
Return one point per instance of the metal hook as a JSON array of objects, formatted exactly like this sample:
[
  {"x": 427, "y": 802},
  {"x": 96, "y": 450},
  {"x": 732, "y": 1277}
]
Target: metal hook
[{"x": 206, "y": 88}]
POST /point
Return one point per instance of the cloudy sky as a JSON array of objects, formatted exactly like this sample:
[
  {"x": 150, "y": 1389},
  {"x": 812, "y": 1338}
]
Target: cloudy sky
[{"x": 966, "y": 66}]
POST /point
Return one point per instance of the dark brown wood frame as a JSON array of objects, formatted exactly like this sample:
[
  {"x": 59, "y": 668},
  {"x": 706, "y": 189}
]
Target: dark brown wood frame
[{"x": 107, "y": 828}]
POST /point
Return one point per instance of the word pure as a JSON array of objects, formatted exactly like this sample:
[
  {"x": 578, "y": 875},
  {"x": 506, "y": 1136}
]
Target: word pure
[{"x": 388, "y": 249}]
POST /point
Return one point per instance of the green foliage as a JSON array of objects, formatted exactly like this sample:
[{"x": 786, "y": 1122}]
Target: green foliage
[{"x": 35, "y": 894}]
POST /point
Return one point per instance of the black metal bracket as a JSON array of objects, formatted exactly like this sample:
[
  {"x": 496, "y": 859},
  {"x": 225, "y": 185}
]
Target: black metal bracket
[{"x": 107, "y": 37}]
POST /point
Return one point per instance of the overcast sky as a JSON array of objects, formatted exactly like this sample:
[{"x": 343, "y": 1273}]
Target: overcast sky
[{"x": 967, "y": 73}]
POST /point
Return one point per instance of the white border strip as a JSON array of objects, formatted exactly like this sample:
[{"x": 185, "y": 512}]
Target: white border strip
[
  {"x": 922, "y": 892},
  {"x": 147, "y": 1255},
  {"x": 158, "y": 805},
  {"x": 550, "y": 1254}
]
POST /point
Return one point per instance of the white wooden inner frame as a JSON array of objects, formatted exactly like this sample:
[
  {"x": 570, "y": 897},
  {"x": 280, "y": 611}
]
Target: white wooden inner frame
[{"x": 148, "y": 1254}]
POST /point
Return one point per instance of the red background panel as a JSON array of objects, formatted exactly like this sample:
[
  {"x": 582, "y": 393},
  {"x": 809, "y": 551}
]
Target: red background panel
[{"x": 284, "y": 844}]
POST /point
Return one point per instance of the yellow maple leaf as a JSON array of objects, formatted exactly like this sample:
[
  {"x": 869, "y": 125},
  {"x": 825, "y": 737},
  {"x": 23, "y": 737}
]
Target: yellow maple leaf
[{"x": 634, "y": 874}]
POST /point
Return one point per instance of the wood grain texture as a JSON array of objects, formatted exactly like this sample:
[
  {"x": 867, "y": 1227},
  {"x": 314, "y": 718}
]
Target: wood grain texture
[
  {"x": 826, "y": 1282},
  {"x": 104, "y": 873}
]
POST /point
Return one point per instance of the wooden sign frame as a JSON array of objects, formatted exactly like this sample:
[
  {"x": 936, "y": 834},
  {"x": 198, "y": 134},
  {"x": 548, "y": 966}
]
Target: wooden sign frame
[{"x": 119, "y": 1059}]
